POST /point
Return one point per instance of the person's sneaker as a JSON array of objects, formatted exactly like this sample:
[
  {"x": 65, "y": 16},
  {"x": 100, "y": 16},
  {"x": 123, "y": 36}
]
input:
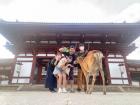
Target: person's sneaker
[
  {"x": 64, "y": 90},
  {"x": 53, "y": 91},
  {"x": 59, "y": 90}
]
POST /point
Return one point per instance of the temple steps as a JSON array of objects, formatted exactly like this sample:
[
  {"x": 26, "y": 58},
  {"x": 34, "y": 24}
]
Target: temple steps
[{"x": 40, "y": 87}]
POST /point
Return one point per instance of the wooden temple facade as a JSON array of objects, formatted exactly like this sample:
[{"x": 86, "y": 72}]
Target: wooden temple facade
[
  {"x": 134, "y": 69},
  {"x": 5, "y": 70},
  {"x": 34, "y": 44}
]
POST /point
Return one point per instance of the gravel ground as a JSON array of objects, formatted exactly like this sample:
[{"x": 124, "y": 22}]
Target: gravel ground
[{"x": 78, "y": 98}]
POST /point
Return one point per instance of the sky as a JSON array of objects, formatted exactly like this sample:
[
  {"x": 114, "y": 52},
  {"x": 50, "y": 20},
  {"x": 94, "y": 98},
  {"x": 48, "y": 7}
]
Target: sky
[{"x": 85, "y": 11}]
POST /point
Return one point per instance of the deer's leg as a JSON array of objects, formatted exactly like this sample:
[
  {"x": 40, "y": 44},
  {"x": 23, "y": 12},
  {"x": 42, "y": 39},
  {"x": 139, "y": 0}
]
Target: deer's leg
[
  {"x": 79, "y": 84},
  {"x": 93, "y": 82},
  {"x": 87, "y": 83},
  {"x": 84, "y": 82},
  {"x": 103, "y": 79}
]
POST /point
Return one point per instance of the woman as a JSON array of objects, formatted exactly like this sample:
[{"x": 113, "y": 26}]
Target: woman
[
  {"x": 51, "y": 82},
  {"x": 60, "y": 71}
]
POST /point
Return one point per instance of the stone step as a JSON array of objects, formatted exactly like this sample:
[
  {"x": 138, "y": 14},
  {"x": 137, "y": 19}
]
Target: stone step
[
  {"x": 131, "y": 88},
  {"x": 40, "y": 87},
  {"x": 8, "y": 87},
  {"x": 109, "y": 88}
]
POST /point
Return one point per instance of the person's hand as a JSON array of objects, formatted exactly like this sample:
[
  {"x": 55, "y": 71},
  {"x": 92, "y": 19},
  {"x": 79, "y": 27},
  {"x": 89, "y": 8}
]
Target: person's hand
[
  {"x": 61, "y": 49},
  {"x": 69, "y": 65},
  {"x": 75, "y": 62},
  {"x": 69, "y": 60}
]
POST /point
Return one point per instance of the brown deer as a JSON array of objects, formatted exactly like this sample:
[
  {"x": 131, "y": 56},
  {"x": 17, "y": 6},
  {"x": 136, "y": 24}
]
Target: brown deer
[{"x": 90, "y": 65}]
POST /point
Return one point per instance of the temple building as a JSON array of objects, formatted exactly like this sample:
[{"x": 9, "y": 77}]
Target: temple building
[{"x": 34, "y": 43}]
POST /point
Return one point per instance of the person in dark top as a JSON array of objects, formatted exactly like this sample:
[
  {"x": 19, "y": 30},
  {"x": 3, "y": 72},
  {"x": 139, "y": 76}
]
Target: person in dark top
[
  {"x": 71, "y": 73},
  {"x": 81, "y": 53},
  {"x": 51, "y": 81}
]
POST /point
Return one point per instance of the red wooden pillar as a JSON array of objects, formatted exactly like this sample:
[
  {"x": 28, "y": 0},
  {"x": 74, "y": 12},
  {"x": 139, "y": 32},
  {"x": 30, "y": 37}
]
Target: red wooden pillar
[
  {"x": 39, "y": 73},
  {"x": 12, "y": 69},
  {"x": 107, "y": 68},
  {"x": 33, "y": 68},
  {"x": 127, "y": 70}
]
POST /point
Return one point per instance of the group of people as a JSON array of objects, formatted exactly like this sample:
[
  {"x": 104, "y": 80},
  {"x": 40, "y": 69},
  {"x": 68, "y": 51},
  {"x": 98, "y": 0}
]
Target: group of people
[{"x": 60, "y": 69}]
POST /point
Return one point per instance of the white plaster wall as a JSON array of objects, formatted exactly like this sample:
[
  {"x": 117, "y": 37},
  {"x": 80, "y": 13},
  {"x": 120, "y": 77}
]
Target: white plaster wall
[
  {"x": 135, "y": 83},
  {"x": 24, "y": 80},
  {"x": 114, "y": 81},
  {"x": 24, "y": 70},
  {"x": 116, "y": 70},
  {"x": 24, "y": 59}
]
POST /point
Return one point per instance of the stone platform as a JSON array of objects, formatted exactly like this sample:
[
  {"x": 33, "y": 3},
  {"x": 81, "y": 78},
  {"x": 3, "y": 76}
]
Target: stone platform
[{"x": 77, "y": 98}]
